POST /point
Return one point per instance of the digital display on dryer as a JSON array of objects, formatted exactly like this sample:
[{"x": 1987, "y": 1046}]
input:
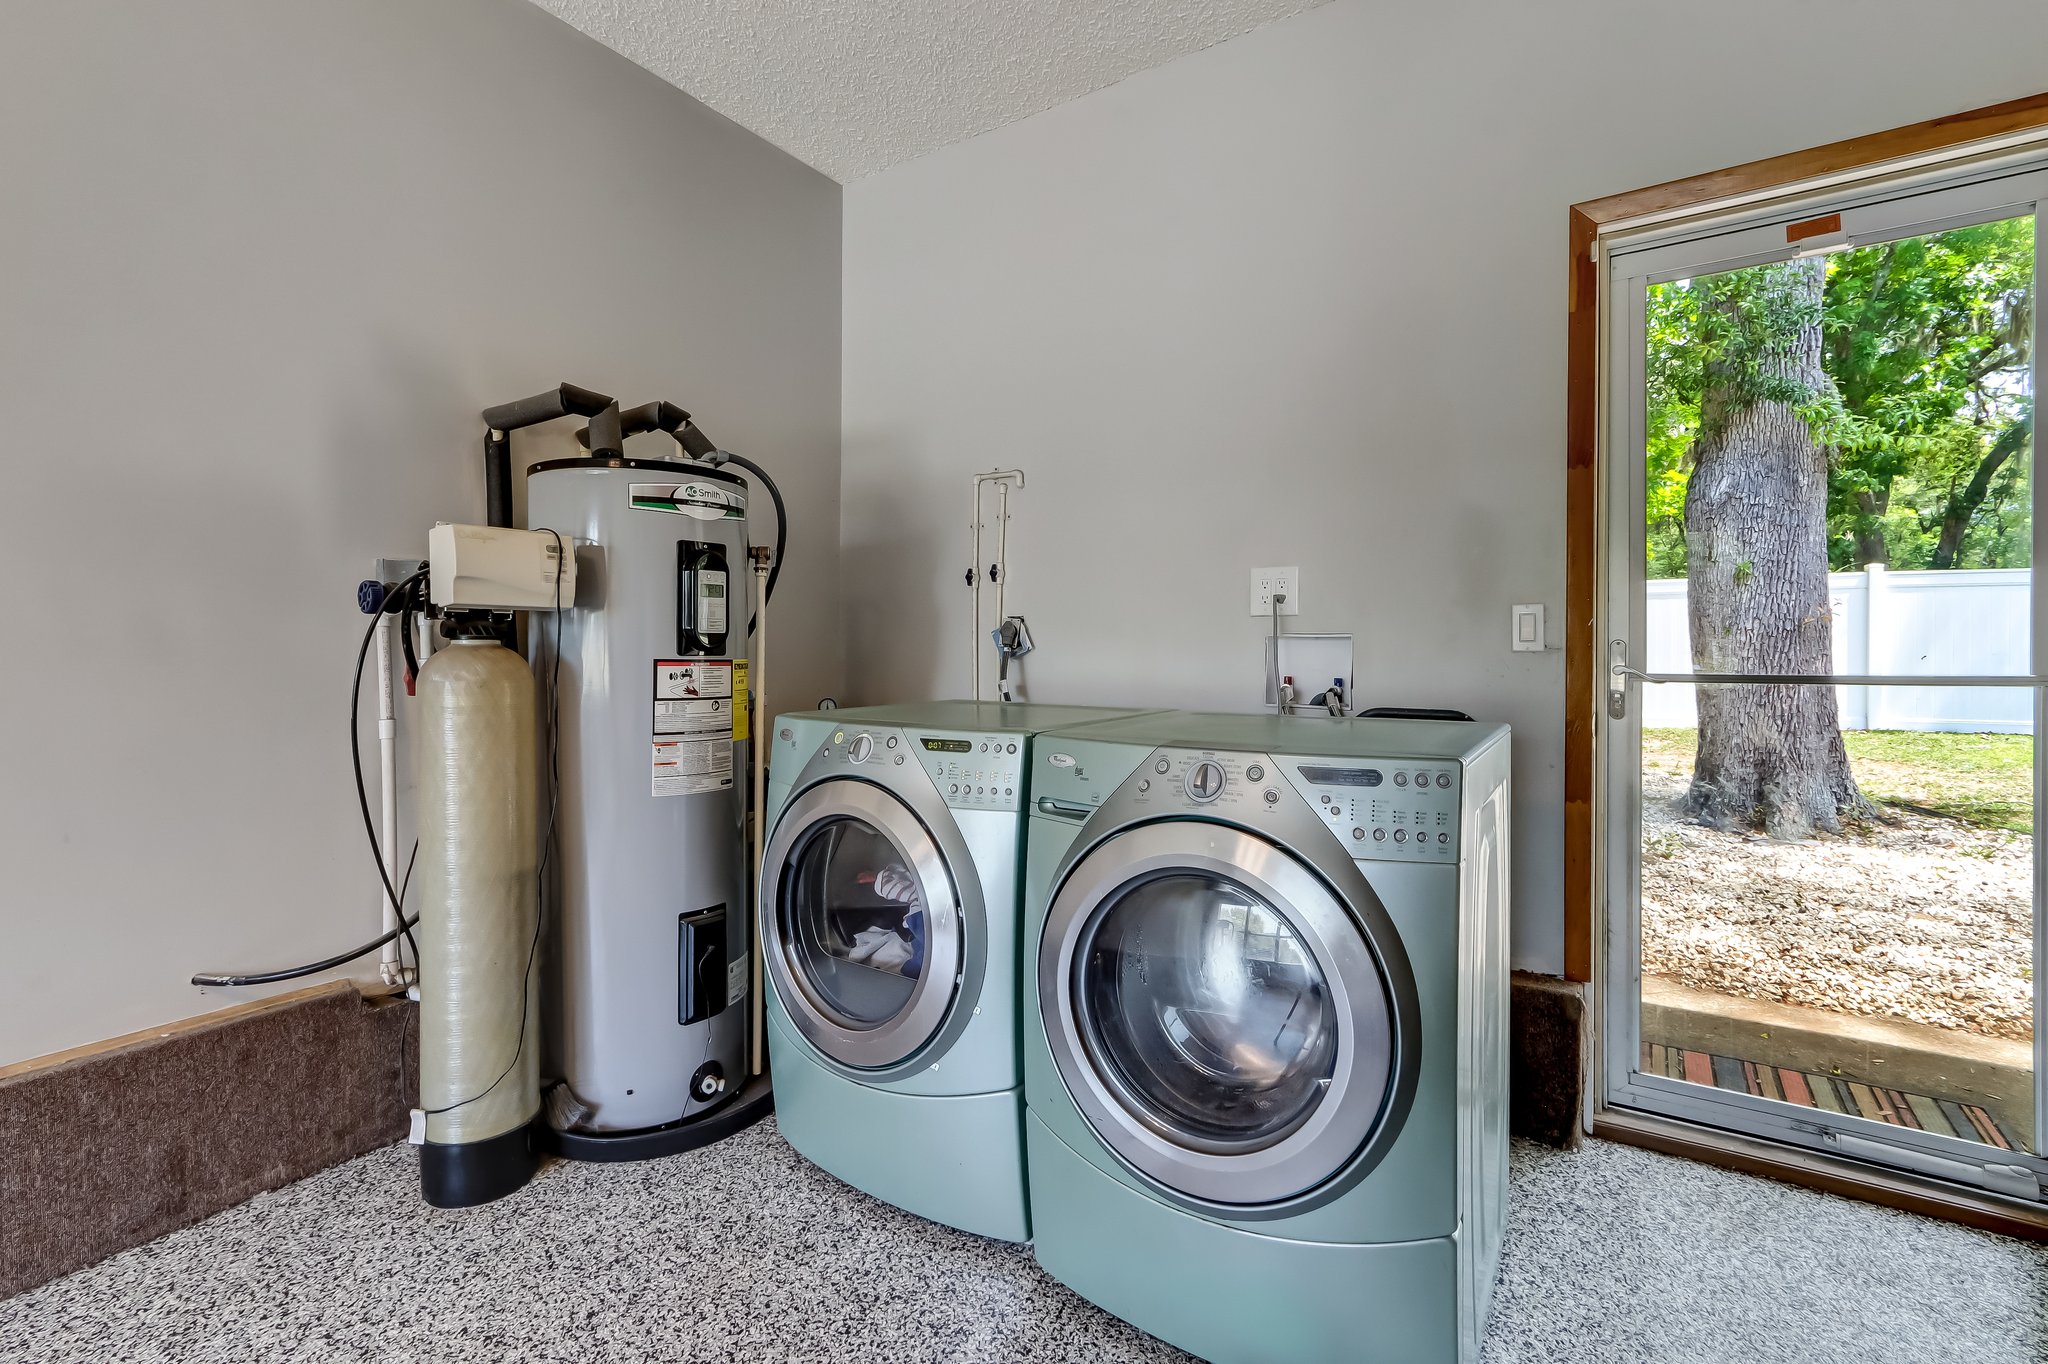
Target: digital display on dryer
[
  {"x": 1342, "y": 776},
  {"x": 946, "y": 746}
]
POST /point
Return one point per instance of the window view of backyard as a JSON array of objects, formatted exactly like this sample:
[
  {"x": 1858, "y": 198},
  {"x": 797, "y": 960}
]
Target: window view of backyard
[{"x": 1838, "y": 882}]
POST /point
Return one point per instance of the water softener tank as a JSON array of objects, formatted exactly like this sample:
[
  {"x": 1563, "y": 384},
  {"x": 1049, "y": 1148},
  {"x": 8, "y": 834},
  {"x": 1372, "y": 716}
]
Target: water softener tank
[
  {"x": 648, "y": 934},
  {"x": 478, "y": 907}
]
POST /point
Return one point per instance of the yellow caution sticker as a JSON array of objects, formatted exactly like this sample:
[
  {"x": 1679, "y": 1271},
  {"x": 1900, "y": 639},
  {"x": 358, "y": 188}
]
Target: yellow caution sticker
[{"x": 742, "y": 701}]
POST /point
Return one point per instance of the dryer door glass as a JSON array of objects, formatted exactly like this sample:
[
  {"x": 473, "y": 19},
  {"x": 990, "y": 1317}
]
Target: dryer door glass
[
  {"x": 1203, "y": 1004},
  {"x": 854, "y": 922},
  {"x": 863, "y": 925}
]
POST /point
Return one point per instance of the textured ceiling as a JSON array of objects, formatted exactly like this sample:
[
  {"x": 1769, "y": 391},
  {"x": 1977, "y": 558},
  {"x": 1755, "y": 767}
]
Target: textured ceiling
[{"x": 854, "y": 86}]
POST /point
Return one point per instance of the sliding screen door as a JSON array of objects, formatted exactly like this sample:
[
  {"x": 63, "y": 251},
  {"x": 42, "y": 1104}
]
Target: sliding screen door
[{"x": 1823, "y": 629}]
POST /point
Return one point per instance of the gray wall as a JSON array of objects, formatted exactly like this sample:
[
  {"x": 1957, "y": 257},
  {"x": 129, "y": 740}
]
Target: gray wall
[
  {"x": 1300, "y": 299},
  {"x": 263, "y": 264}
]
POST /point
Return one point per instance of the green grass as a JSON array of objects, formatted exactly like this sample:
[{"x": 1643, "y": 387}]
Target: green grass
[{"x": 1981, "y": 779}]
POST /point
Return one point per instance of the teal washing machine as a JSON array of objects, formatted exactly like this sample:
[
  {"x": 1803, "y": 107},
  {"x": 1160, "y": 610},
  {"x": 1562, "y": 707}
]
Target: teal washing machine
[
  {"x": 889, "y": 933},
  {"x": 1265, "y": 1030}
]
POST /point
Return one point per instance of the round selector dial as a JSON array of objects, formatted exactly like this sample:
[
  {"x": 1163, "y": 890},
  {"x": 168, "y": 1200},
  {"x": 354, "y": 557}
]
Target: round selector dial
[
  {"x": 1204, "y": 781},
  {"x": 861, "y": 749}
]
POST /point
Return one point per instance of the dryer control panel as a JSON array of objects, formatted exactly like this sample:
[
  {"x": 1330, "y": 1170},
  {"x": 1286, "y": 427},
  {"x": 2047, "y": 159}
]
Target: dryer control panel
[
  {"x": 972, "y": 771},
  {"x": 1385, "y": 809}
]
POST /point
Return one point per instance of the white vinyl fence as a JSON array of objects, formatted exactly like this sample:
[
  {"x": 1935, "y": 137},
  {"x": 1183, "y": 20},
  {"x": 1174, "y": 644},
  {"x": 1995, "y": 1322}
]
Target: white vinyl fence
[{"x": 1945, "y": 621}]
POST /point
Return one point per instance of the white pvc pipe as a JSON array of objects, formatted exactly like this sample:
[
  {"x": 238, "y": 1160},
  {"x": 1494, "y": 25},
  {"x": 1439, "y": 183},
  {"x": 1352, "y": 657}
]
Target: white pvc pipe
[
  {"x": 759, "y": 730},
  {"x": 387, "y": 777}
]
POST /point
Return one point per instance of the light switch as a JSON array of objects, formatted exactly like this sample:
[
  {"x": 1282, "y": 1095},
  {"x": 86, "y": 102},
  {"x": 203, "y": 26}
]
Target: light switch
[{"x": 1528, "y": 631}]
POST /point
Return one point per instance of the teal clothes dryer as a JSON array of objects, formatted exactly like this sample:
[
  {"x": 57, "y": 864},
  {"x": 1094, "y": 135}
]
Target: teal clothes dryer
[
  {"x": 1265, "y": 1031},
  {"x": 889, "y": 934}
]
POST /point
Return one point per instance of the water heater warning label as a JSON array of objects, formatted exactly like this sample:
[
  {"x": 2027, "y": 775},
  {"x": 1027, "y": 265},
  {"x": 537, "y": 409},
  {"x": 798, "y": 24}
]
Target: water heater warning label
[
  {"x": 693, "y": 723},
  {"x": 684, "y": 767},
  {"x": 692, "y": 697}
]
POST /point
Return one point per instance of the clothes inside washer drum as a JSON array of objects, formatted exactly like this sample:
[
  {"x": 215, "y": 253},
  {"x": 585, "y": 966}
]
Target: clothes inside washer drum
[{"x": 857, "y": 951}]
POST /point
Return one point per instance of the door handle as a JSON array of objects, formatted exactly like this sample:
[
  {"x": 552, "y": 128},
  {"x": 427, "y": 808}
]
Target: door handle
[
  {"x": 1617, "y": 689},
  {"x": 1065, "y": 809}
]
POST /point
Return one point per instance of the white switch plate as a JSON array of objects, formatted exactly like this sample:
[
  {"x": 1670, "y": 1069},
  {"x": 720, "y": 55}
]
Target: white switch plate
[
  {"x": 1267, "y": 581},
  {"x": 1527, "y": 634}
]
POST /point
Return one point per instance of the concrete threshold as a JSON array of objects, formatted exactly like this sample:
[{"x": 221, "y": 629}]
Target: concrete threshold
[{"x": 1994, "y": 1072}]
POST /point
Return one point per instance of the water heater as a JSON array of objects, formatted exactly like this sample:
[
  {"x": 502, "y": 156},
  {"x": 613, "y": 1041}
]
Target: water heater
[{"x": 648, "y": 949}]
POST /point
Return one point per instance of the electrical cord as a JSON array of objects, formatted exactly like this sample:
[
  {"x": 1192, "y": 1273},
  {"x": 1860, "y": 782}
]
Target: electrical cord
[
  {"x": 546, "y": 846},
  {"x": 781, "y": 523}
]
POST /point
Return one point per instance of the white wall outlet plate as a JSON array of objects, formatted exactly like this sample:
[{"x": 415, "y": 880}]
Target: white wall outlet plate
[
  {"x": 1267, "y": 581},
  {"x": 1527, "y": 634}
]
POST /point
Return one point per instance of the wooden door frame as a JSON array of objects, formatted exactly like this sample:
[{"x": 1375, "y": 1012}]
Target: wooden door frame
[{"x": 1584, "y": 659}]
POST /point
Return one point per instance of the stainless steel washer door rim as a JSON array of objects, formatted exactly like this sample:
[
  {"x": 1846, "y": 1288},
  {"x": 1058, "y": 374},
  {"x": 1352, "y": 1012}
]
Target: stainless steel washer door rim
[
  {"x": 851, "y": 1042},
  {"x": 1350, "y": 1112}
]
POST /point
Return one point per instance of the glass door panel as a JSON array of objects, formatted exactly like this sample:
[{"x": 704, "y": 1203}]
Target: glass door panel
[
  {"x": 1886, "y": 972},
  {"x": 1824, "y": 895}
]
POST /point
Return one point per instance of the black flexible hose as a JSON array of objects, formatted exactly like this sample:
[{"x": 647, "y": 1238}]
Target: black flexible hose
[
  {"x": 314, "y": 968},
  {"x": 781, "y": 524},
  {"x": 400, "y": 594},
  {"x": 404, "y": 593}
]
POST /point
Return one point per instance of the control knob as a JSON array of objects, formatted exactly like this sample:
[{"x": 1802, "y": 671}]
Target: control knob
[{"x": 1204, "y": 781}]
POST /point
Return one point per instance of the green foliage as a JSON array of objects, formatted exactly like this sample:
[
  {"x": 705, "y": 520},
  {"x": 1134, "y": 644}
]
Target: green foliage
[{"x": 1926, "y": 344}]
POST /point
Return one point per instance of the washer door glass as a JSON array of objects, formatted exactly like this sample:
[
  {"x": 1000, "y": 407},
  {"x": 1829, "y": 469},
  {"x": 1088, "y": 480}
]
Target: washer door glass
[
  {"x": 1224, "y": 1023},
  {"x": 854, "y": 923},
  {"x": 1204, "y": 1008}
]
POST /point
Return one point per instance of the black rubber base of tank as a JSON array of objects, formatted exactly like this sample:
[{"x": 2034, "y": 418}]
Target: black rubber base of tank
[
  {"x": 464, "y": 1174},
  {"x": 755, "y": 1101}
]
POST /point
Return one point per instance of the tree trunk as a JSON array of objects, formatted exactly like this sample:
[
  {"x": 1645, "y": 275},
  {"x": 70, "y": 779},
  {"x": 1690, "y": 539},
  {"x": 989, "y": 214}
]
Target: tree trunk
[
  {"x": 1955, "y": 517},
  {"x": 1757, "y": 569},
  {"x": 1869, "y": 532}
]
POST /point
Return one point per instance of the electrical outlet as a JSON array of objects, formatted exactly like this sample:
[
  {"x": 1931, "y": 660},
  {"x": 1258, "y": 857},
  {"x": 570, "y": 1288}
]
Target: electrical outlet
[{"x": 1267, "y": 581}]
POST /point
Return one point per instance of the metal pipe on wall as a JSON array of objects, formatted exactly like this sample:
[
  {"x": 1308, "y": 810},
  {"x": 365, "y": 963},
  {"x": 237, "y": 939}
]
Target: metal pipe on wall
[
  {"x": 1002, "y": 575},
  {"x": 1001, "y": 568}
]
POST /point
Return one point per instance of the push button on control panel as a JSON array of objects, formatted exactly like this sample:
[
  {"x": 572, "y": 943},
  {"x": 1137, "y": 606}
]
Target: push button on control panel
[
  {"x": 973, "y": 772},
  {"x": 1400, "y": 814}
]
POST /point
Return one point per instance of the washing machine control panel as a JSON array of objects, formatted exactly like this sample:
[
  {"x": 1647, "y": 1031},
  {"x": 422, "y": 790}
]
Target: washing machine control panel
[
  {"x": 1205, "y": 779},
  {"x": 1385, "y": 809},
  {"x": 973, "y": 771}
]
